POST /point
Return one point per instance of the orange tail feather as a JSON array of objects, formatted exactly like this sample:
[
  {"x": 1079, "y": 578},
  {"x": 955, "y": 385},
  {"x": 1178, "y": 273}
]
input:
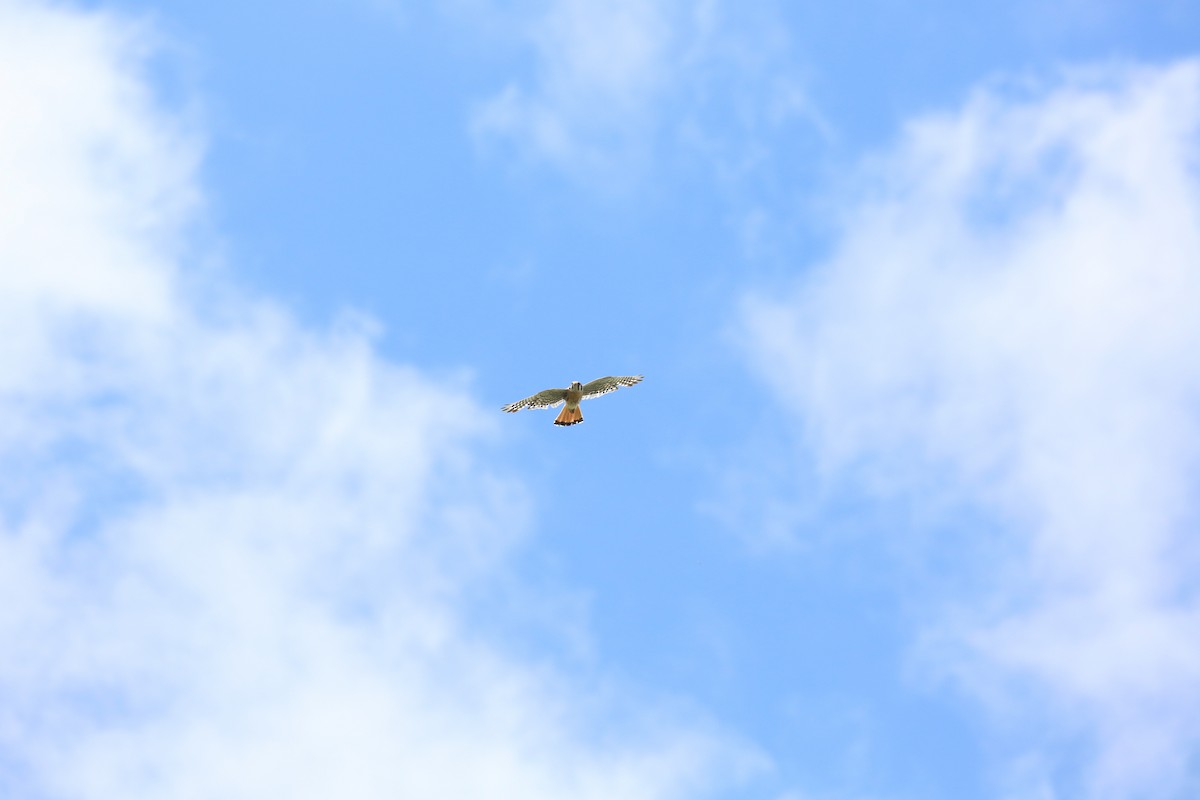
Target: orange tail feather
[{"x": 569, "y": 416}]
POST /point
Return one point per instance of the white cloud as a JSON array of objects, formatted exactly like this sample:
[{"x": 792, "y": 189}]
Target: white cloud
[
  {"x": 233, "y": 550},
  {"x": 1009, "y": 322},
  {"x": 599, "y": 68},
  {"x": 616, "y": 83}
]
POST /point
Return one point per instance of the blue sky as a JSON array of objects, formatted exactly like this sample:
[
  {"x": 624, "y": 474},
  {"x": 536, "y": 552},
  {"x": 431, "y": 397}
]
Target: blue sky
[{"x": 905, "y": 507}]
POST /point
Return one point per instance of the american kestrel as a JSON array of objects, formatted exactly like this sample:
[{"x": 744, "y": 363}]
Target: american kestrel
[{"x": 572, "y": 396}]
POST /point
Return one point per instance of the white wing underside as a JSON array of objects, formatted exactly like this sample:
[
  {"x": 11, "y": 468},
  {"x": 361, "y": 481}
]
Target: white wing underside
[
  {"x": 610, "y": 384},
  {"x": 550, "y": 398}
]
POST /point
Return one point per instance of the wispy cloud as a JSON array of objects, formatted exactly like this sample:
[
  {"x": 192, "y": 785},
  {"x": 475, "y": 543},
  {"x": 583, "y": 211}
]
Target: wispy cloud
[
  {"x": 233, "y": 549},
  {"x": 1008, "y": 323},
  {"x": 614, "y": 85}
]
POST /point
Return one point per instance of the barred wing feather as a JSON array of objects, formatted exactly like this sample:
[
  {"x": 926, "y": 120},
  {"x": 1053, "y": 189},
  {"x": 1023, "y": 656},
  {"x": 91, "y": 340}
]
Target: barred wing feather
[
  {"x": 610, "y": 384},
  {"x": 547, "y": 399}
]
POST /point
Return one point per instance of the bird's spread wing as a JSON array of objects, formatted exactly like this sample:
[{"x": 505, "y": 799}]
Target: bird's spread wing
[
  {"x": 610, "y": 384},
  {"x": 547, "y": 399}
]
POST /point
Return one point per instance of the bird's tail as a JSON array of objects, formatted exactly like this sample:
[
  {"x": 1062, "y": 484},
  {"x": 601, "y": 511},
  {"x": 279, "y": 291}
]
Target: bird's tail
[{"x": 569, "y": 416}]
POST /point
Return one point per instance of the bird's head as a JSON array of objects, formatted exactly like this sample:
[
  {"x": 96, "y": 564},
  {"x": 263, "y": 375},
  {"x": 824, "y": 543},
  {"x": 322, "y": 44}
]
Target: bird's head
[{"x": 576, "y": 386}]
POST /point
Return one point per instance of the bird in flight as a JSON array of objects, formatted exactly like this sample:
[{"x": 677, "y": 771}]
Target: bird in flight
[{"x": 572, "y": 396}]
